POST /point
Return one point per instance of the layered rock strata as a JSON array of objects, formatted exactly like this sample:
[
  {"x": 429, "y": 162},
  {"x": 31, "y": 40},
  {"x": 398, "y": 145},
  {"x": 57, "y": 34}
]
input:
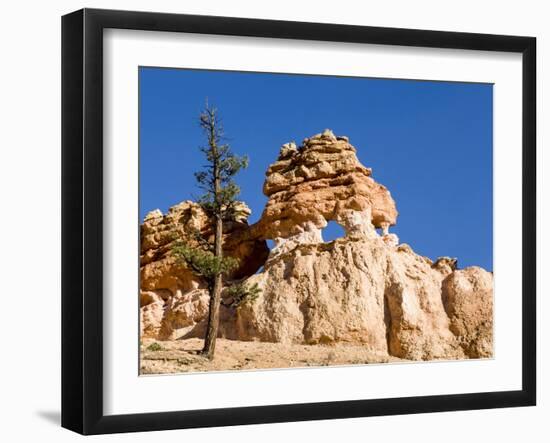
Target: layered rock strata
[{"x": 320, "y": 181}]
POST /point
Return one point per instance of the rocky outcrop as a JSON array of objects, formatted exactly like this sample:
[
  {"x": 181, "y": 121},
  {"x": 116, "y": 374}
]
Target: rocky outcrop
[
  {"x": 312, "y": 294},
  {"x": 418, "y": 327},
  {"x": 165, "y": 280},
  {"x": 151, "y": 313},
  {"x": 321, "y": 180},
  {"x": 365, "y": 288},
  {"x": 468, "y": 301}
]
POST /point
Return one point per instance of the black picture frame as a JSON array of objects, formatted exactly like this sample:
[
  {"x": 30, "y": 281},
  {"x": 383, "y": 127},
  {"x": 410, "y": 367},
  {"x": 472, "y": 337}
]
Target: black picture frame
[{"x": 82, "y": 218}]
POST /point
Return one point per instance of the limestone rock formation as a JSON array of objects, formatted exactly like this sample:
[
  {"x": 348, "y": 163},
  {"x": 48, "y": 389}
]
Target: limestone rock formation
[
  {"x": 163, "y": 279},
  {"x": 321, "y": 180},
  {"x": 365, "y": 288},
  {"x": 468, "y": 301},
  {"x": 151, "y": 313}
]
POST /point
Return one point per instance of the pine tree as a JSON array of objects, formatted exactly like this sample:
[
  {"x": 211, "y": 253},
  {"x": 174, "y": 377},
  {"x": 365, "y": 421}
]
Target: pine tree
[{"x": 220, "y": 204}]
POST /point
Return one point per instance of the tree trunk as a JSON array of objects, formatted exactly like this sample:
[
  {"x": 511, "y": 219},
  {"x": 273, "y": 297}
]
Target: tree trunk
[{"x": 215, "y": 299}]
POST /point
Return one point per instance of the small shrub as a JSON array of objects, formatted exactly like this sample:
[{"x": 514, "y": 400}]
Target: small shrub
[
  {"x": 155, "y": 347},
  {"x": 240, "y": 293}
]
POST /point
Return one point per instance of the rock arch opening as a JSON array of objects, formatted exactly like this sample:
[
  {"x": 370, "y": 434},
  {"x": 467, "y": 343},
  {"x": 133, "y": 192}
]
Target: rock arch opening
[{"x": 332, "y": 231}]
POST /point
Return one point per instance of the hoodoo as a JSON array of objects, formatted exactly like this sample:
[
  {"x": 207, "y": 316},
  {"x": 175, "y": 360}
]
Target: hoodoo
[{"x": 365, "y": 288}]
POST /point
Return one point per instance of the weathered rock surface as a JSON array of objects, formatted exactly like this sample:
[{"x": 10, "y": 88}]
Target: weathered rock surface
[
  {"x": 151, "y": 313},
  {"x": 322, "y": 180},
  {"x": 185, "y": 315},
  {"x": 468, "y": 301},
  {"x": 365, "y": 291},
  {"x": 161, "y": 275},
  {"x": 365, "y": 288}
]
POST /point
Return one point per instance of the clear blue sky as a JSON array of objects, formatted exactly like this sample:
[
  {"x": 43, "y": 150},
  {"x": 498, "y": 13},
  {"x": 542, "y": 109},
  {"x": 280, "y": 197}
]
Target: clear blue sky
[{"x": 430, "y": 143}]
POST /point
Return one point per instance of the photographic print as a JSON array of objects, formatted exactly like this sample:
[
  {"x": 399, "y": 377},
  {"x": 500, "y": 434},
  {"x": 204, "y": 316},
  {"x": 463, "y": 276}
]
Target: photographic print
[{"x": 293, "y": 221}]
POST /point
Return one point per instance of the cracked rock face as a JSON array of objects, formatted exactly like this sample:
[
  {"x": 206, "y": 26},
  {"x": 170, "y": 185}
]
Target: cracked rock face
[{"x": 363, "y": 288}]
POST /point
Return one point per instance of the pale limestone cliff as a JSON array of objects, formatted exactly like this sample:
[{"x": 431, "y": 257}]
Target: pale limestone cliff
[{"x": 363, "y": 290}]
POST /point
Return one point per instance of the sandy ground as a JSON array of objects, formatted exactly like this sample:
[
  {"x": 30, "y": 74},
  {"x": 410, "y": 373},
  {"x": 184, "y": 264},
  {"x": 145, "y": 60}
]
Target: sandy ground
[{"x": 168, "y": 357}]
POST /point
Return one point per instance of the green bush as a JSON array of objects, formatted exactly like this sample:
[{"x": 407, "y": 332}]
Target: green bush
[
  {"x": 155, "y": 347},
  {"x": 240, "y": 293}
]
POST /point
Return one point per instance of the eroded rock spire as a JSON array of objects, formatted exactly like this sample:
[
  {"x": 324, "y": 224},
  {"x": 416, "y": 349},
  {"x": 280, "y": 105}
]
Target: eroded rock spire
[{"x": 320, "y": 181}]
